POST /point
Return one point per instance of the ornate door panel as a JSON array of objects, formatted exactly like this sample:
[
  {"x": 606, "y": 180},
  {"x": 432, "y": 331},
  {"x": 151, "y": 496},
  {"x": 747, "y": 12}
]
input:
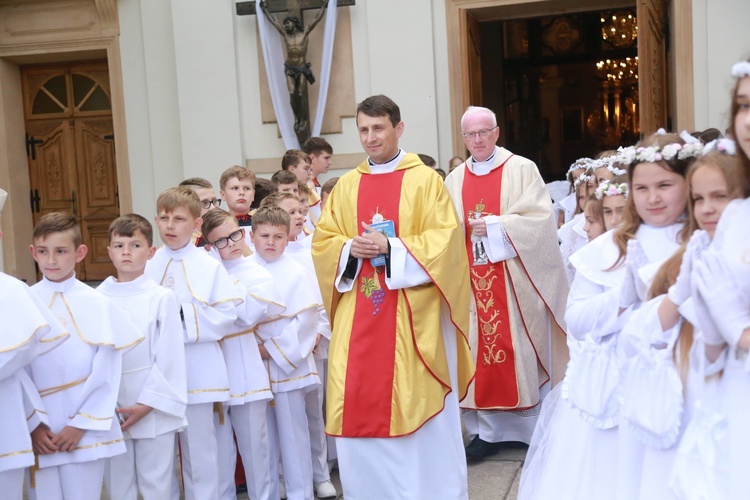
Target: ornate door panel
[
  {"x": 475, "y": 59},
  {"x": 97, "y": 183},
  {"x": 70, "y": 146},
  {"x": 652, "y": 62}
]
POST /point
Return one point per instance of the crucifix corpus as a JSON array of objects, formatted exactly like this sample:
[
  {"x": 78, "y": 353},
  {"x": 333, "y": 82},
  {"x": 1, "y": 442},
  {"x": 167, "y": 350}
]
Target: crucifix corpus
[{"x": 295, "y": 36}]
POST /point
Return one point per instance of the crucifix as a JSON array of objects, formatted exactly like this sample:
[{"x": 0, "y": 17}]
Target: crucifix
[{"x": 295, "y": 36}]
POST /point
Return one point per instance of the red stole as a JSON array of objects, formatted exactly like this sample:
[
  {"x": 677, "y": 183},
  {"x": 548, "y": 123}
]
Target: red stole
[
  {"x": 368, "y": 393},
  {"x": 495, "y": 383}
]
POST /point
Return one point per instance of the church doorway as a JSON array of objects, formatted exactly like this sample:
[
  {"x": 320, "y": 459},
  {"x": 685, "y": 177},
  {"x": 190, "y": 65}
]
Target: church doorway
[
  {"x": 70, "y": 150},
  {"x": 565, "y": 81}
]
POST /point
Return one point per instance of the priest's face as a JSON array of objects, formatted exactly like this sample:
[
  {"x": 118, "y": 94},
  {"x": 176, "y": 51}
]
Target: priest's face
[
  {"x": 480, "y": 135},
  {"x": 379, "y": 137}
]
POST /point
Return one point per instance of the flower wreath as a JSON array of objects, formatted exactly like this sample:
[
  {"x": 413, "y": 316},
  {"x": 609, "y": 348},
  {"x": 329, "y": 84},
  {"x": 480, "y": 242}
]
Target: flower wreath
[
  {"x": 609, "y": 188},
  {"x": 582, "y": 179},
  {"x": 579, "y": 163},
  {"x": 633, "y": 155},
  {"x": 741, "y": 69},
  {"x": 723, "y": 145}
]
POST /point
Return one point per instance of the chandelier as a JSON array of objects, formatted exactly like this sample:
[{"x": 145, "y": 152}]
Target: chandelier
[
  {"x": 620, "y": 29},
  {"x": 618, "y": 70}
]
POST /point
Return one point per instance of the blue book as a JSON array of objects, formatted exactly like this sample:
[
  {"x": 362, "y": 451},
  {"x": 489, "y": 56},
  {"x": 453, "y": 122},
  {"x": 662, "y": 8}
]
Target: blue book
[{"x": 389, "y": 230}]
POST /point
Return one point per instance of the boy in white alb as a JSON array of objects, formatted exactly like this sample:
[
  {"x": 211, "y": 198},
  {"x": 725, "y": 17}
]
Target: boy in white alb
[
  {"x": 299, "y": 249},
  {"x": 287, "y": 345},
  {"x": 248, "y": 376},
  {"x": 153, "y": 394},
  {"x": 30, "y": 329},
  {"x": 208, "y": 301},
  {"x": 78, "y": 381}
]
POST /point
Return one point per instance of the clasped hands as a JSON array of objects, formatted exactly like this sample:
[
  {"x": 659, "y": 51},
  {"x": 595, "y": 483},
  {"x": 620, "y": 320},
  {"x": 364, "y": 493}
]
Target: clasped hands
[{"x": 369, "y": 244}]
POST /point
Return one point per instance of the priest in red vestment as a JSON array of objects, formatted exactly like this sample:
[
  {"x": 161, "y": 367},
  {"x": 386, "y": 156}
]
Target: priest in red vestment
[{"x": 518, "y": 284}]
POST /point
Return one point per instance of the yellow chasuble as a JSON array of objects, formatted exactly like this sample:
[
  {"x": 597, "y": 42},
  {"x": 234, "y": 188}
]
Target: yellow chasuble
[{"x": 416, "y": 367}]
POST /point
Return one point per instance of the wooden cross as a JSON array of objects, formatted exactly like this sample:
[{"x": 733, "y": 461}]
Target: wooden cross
[{"x": 294, "y": 7}]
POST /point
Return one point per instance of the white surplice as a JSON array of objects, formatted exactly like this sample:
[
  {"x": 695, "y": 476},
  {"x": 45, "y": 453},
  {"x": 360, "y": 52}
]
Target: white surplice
[
  {"x": 153, "y": 374},
  {"x": 290, "y": 339},
  {"x": 208, "y": 301},
  {"x": 29, "y": 330},
  {"x": 79, "y": 381}
]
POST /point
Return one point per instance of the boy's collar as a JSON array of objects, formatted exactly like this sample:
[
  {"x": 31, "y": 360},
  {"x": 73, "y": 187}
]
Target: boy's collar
[{"x": 61, "y": 286}]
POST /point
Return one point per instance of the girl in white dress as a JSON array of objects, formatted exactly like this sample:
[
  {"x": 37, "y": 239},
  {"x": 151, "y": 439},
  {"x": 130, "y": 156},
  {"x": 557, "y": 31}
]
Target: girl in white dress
[
  {"x": 574, "y": 450},
  {"x": 721, "y": 285},
  {"x": 666, "y": 355},
  {"x": 572, "y": 235}
]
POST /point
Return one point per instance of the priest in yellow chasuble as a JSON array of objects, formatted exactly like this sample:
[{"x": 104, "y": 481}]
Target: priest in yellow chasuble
[
  {"x": 519, "y": 288},
  {"x": 388, "y": 252}
]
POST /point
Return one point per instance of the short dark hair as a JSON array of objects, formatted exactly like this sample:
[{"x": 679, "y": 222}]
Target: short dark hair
[
  {"x": 272, "y": 216},
  {"x": 292, "y": 158},
  {"x": 196, "y": 182},
  {"x": 263, "y": 188},
  {"x": 380, "y": 105},
  {"x": 283, "y": 177},
  {"x": 213, "y": 219},
  {"x": 315, "y": 145},
  {"x": 427, "y": 160},
  {"x": 58, "y": 222},
  {"x": 126, "y": 225}
]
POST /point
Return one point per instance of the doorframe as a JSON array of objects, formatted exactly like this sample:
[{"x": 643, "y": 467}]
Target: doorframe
[
  {"x": 44, "y": 40},
  {"x": 682, "y": 99}
]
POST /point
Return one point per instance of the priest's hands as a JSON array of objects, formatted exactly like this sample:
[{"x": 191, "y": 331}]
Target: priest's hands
[
  {"x": 478, "y": 226},
  {"x": 133, "y": 415},
  {"x": 68, "y": 438},
  {"x": 370, "y": 244},
  {"x": 41, "y": 440}
]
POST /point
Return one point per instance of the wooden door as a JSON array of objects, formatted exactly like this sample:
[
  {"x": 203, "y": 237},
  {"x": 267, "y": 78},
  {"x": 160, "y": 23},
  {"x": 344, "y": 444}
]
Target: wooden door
[
  {"x": 474, "y": 46},
  {"x": 71, "y": 153},
  {"x": 652, "y": 65}
]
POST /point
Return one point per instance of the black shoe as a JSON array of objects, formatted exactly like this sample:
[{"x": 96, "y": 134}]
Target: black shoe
[{"x": 479, "y": 449}]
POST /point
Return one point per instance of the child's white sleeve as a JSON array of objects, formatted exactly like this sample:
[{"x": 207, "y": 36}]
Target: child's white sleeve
[
  {"x": 95, "y": 409},
  {"x": 209, "y": 321},
  {"x": 32, "y": 402},
  {"x": 592, "y": 309},
  {"x": 165, "y": 389}
]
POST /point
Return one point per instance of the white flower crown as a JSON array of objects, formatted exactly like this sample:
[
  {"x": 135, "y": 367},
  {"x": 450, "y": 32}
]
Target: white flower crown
[
  {"x": 609, "y": 188},
  {"x": 579, "y": 163},
  {"x": 674, "y": 151},
  {"x": 582, "y": 179},
  {"x": 723, "y": 145},
  {"x": 741, "y": 69},
  {"x": 608, "y": 162}
]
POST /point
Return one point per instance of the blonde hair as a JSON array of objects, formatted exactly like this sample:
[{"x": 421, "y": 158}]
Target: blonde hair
[
  {"x": 241, "y": 173},
  {"x": 177, "y": 197},
  {"x": 271, "y": 216},
  {"x": 273, "y": 200}
]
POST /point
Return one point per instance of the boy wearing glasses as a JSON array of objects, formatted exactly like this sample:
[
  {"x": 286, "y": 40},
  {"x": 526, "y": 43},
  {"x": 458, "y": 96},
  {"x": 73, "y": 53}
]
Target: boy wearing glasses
[
  {"x": 237, "y": 186},
  {"x": 209, "y": 302},
  {"x": 250, "y": 389}
]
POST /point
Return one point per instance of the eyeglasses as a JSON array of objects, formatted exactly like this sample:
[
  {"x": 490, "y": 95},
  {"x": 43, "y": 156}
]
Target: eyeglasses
[
  {"x": 207, "y": 203},
  {"x": 484, "y": 133},
  {"x": 223, "y": 242}
]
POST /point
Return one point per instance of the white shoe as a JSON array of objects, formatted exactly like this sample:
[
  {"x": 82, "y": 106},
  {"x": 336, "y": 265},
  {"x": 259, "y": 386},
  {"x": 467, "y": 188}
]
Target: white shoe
[
  {"x": 325, "y": 489},
  {"x": 282, "y": 488}
]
